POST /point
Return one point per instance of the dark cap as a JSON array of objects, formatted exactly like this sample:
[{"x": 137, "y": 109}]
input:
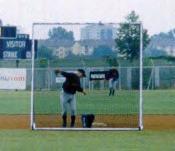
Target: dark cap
[{"x": 82, "y": 72}]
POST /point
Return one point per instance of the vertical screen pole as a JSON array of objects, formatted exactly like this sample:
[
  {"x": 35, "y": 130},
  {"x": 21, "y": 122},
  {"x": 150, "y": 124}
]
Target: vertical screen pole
[
  {"x": 32, "y": 82},
  {"x": 141, "y": 79}
]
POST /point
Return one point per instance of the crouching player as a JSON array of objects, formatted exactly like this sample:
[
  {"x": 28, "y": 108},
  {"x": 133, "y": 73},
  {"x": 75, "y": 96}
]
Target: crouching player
[{"x": 67, "y": 96}]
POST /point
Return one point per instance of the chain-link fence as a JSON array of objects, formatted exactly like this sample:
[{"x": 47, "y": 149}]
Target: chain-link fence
[{"x": 155, "y": 77}]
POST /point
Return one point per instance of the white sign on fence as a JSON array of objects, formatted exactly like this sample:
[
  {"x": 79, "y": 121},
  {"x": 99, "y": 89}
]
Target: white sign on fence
[
  {"x": 11, "y": 79},
  {"x": 60, "y": 79}
]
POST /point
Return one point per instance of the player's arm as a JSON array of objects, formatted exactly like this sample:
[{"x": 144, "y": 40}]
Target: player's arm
[
  {"x": 63, "y": 73},
  {"x": 84, "y": 92},
  {"x": 80, "y": 89}
]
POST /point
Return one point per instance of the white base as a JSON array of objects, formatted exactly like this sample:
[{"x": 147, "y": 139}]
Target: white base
[{"x": 84, "y": 129}]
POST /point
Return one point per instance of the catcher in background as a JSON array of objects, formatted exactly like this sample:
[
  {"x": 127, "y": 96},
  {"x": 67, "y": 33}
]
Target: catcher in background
[
  {"x": 67, "y": 96},
  {"x": 114, "y": 75}
]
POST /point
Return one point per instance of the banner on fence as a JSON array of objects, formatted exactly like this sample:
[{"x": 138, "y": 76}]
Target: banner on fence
[
  {"x": 11, "y": 79},
  {"x": 97, "y": 75},
  {"x": 60, "y": 79}
]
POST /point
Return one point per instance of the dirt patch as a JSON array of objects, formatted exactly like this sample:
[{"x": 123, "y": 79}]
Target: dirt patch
[
  {"x": 159, "y": 122},
  {"x": 107, "y": 121},
  {"x": 151, "y": 122},
  {"x": 14, "y": 121}
]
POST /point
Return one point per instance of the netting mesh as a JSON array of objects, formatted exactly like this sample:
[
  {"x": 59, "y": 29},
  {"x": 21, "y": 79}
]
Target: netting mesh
[{"x": 91, "y": 47}]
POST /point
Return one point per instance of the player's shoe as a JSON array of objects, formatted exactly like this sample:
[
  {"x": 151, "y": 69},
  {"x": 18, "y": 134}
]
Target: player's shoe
[
  {"x": 72, "y": 125},
  {"x": 64, "y": 125}
]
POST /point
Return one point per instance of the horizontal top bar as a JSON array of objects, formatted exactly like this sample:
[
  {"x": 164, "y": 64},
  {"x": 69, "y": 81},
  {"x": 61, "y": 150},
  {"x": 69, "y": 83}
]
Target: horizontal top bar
[{"x": 85, "y": 23}]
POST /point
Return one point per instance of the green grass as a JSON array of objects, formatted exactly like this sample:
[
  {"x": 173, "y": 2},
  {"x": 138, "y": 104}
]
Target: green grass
[
  {"x": 95, "y": 102},
  {"x": 25, "y": 140},
  {"x": 159, "y": 102},
  {"x": 155, "y": 102},
  {"x": 14, "y": 102}
]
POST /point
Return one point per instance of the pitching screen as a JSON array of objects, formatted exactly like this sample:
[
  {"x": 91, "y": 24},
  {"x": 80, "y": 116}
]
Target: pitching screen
[{"x": 108, "y": 54}]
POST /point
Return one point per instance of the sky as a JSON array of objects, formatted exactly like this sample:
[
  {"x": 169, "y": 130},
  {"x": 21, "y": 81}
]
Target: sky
[{"x": 157, "y": 15}]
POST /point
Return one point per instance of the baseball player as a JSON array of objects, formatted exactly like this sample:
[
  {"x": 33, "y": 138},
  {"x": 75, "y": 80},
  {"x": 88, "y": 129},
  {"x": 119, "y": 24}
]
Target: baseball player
[
  {"x": 113, "y": 81},
  {"x": 67, "y": 96}
]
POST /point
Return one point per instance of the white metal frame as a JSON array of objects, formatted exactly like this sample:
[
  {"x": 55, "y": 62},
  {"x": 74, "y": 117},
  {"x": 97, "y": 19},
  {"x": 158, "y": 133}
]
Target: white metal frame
[
  {"x": 140, "y": 124},
  {"x": 32, "y": 84},
  {"x": 141, "y": 79}
]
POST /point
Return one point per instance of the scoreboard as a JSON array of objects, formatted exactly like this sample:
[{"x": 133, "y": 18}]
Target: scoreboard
[
  {"x": 8, "y": 31},
  {"x": 15, "y": 46}
]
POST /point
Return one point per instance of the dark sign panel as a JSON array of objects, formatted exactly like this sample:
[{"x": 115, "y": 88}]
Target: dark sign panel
[
  {"x": 98, "y": 75},
  {"x": 22, "y": 36},
  {"x": 104, "y": 75},
  {"x": 8, "y": 31}
]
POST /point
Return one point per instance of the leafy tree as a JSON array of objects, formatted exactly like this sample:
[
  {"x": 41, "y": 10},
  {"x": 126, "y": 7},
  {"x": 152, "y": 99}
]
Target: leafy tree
[
  {"x": 112, "y": 61},
  {"x": 128, "y": 37},
  {"x": 60, "y": 33}
]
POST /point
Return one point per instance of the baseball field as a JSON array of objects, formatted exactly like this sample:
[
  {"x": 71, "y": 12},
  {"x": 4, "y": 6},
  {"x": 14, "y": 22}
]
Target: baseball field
[{"x": 158, "y": 135}]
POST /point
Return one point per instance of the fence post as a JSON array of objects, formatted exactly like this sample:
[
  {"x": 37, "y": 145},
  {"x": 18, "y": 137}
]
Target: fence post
[
  {"x": 119, "y": 80},
  {"x": 157, "y": 77},
  {"x": 48, "y": 75},
  {"x": 129, "y": 78},
  {"x": 102, "y": 85}
]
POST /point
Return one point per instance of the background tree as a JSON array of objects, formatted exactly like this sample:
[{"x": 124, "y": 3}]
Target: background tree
[
  {"x": 112, "y": 61},
  {"x": 60, "y": 33},
  {"x": 128, "y": 37}
]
